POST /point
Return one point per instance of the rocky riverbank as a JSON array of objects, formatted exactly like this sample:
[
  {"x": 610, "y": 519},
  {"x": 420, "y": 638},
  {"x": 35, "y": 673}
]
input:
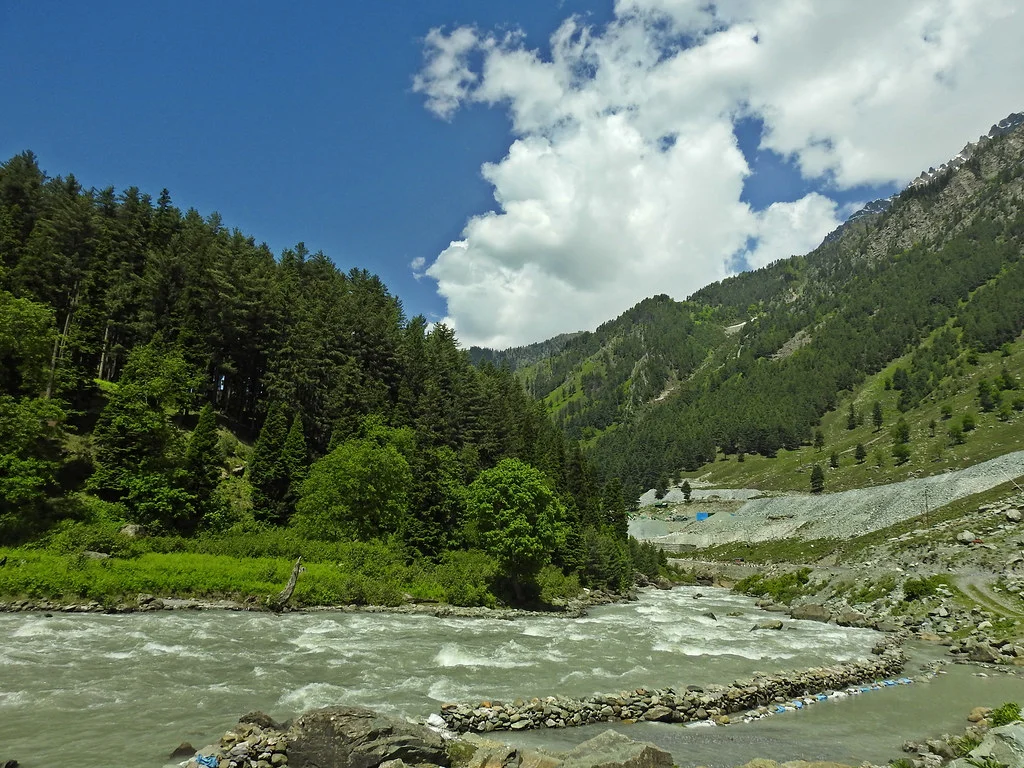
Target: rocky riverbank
[
  {"x": 353, "y": 737},
  {"x": 715, "y": 703},
  {"x": 143, "y": 603}
]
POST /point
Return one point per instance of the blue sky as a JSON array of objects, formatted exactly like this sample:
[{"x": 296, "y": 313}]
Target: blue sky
[{"x": 347, "y": 126}]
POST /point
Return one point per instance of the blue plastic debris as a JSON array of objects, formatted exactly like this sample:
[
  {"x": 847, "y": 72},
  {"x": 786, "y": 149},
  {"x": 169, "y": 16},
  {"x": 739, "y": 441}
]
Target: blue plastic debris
[
  {"x": 210, "y": 761},
  {"x": 780, "y": 709},
  {"x": 821, "y": 697},
  {"x": 798, "y": 704}
]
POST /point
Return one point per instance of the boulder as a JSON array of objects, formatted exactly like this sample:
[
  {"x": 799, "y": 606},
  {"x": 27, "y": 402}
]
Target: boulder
[
  {"x": 1003, "y": 745},
  {"x": 182, "y": 750},
  {"x": 770, "y": 624},
  {"x": 811, "y": 612},
  {"x": 493, "y": 754},
  {"x": 983, "y": 652},
  {"x": 965, "y": 537},
  {"x": 133, "y": 531},
  {"x": 262, "y": 719},
  {"x": 613, "y": 750},
  {"x": 978, "y": 714},
  {"x": 851, "y": 619},
  {"x": 1012, "y": 515},
  {"x": 658, "y": 713},
  {"x": 356, "y": 737}
]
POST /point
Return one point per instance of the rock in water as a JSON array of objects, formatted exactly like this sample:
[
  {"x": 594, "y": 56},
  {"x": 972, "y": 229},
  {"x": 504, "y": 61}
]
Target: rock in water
[
  {"x": 262, "y": 719},
  {"x": 182, "y": 750},
  {"x": 356, "y": 737},
  {"x": 613, "y": 750},
  {"x": 811, "y": 612}
]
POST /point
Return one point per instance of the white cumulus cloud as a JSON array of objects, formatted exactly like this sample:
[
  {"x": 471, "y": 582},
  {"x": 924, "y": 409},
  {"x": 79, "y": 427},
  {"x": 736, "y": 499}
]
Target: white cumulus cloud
[{"x": 624, "y": 177}]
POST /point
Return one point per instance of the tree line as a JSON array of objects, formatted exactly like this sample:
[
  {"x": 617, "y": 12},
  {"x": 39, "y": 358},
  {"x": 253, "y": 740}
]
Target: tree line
[{"x": 142, "y": 347}]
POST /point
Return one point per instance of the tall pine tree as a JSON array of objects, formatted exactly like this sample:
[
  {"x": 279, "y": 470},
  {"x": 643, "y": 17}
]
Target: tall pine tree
[{"x": 268, "y": 474}]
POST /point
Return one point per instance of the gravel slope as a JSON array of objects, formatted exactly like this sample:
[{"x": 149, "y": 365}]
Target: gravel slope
[{"x": 849, "y": 513}]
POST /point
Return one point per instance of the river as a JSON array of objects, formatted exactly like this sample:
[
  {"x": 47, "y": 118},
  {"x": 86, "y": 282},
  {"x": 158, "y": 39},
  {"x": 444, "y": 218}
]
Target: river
[{"x": 98, "y": 690}]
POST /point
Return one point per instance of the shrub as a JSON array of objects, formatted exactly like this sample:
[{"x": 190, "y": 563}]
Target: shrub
[
  {"x": 1005, "y": 714},
  {"x": 916, "y": 589},
  {"x": 962, "y": 745},
  {"x": 782, "y": 589},
  {"x": 466, "y": 577}
]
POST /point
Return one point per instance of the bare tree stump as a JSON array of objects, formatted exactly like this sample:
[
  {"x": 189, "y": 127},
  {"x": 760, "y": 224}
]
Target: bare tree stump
[{"x": 286, "y": 593}]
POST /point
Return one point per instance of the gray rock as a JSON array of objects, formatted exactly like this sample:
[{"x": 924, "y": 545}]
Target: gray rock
[
  {"x": 613, "y": 750},
  {"x": 984, "y": 653},
  {"x": 965, "y": 537},
  {"x": 658, "y": 713},
  {"x": 770, "y": 624},
  {"x": 182, "y": 750},
  {"x": 1001, "y": 745},
  {"x": 1013, "y": 515},
  {"x": 851, "y": 619},
  {"x": 811, "y": 612},
  {"x": 262, "y": 719},
  {"x": 356, "y": 737}
]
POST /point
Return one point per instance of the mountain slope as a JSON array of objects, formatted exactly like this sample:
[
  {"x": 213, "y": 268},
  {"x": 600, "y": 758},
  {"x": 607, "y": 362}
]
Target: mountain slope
[{"x": 936, "y": 279}]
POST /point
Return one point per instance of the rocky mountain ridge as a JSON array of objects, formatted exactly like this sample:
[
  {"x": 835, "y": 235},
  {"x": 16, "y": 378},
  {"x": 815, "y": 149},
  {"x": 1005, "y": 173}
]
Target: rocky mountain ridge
[{"x": 1009, "y": 123}]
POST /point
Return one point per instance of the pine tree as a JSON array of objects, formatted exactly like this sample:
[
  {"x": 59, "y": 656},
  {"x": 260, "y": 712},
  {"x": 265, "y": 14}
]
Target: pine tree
[
  {"x": 686, "y": 491},
  {"x": 295, "y": 462},
  {"x": 901, "y": 453},
  {"x": 901, "y": 431},
  {"x": 860, "y": 453},
  {"x": 876, "y": 415},
  {"x": 203, "y": 462},
  {"x": 819, "y": 440},
  {"x": 661, "y": 487},
  {"x": 268, "y": 474},
  {"x": 833, "y": 460},
  {"x": 851, "y": 418},
  {"x": 817, "y": 479},
  {"x": 614, "y": 508}
]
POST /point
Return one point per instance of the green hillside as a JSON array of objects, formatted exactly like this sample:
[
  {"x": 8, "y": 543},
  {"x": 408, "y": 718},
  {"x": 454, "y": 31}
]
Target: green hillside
[
  {"x": 928, "y": 294},
  {"x": 161, "y": 370}
]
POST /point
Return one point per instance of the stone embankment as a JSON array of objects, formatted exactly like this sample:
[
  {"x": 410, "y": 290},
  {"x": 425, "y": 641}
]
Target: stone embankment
[
  {"x": 354, "y": 737},
  {"x": 714, "y": 703},
  {"x": 570, "y": 609}
]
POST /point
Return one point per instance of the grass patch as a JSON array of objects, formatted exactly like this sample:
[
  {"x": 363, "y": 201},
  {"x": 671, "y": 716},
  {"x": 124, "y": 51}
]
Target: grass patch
[
  {"x": 1004, "y": 714},
  {"x": 784, "y": 588},
  {"x": 351, "y": 573}
]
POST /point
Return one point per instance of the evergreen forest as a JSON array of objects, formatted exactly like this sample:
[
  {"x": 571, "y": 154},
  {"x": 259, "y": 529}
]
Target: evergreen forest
[
  {"x": 161, "y": 370},
  {"x": 750, "y": 365}
]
